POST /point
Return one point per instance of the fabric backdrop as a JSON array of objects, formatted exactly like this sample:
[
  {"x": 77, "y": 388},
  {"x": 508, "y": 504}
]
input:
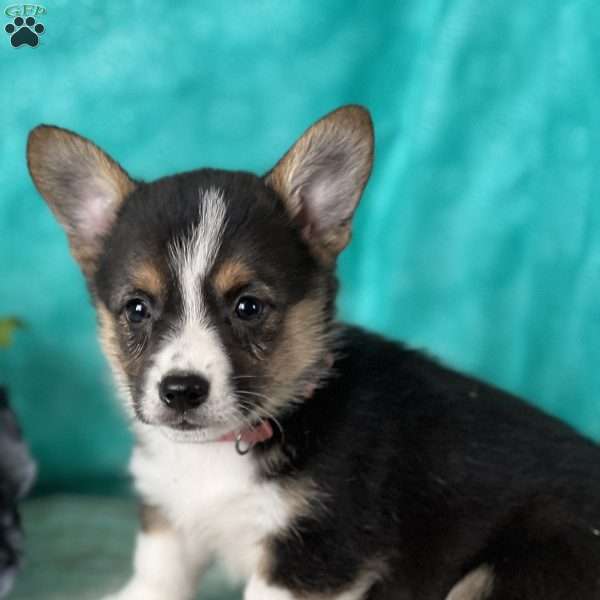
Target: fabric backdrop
[{"x": 478, "y": 237}]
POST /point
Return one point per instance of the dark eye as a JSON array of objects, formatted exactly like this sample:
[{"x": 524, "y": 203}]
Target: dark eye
[
  {"x": 248, "y": 308},
  {"x": 137, "y": 311}
]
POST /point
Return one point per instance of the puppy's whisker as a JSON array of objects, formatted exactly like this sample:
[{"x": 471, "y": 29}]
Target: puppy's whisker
[
  {"x": 269, "y": 399},
  {"x": 257, "y": 394},
  {"x": 245, "y": 420},
  {"x": 260, "y": 410}
]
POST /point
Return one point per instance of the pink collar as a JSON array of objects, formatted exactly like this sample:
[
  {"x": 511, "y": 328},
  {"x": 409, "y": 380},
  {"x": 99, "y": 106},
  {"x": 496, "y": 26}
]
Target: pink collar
[
  {"x": 249, "y": 436},
  {"x": 246, "y": 438}
]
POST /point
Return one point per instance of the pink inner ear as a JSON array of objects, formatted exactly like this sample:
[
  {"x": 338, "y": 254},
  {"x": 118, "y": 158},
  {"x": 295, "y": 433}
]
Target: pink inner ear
[
  {"x": 327, "y": 203},
  {"x": 95, "y": 213}
]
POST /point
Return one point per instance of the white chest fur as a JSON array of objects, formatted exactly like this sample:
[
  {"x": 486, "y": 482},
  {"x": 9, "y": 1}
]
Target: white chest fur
[{"x": 212, "y": 495}]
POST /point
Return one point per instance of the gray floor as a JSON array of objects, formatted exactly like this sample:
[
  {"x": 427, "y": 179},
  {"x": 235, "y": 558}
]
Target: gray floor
[{"x": 79, "y": 548}]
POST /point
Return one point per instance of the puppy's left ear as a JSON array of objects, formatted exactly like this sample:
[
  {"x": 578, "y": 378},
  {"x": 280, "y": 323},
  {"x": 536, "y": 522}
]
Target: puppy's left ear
[
  {"x": 83, "y": 186},
  {"x": 323, "y": 175}
]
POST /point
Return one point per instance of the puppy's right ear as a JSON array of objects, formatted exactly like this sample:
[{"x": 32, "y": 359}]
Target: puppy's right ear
[
  {"x": 82, "y": 185},
  {"x": 322, "y": 177}
]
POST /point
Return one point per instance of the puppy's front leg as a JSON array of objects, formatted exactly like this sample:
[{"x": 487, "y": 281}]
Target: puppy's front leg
[{"x": 163, "y": 566}]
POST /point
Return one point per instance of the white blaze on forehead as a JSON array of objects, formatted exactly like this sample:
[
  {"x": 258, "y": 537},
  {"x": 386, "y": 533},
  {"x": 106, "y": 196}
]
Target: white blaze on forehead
[
  {"x": 193, "y": 257},
  {"x": 194, "y": 346}
]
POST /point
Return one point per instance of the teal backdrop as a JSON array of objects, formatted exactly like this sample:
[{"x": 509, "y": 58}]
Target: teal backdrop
[{"x": 478, "y": 238}]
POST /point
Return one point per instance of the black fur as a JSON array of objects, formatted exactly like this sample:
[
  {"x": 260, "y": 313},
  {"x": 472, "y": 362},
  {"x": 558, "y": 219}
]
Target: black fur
[
  {"x": 430, "y": 474},
  {"x": 421, "y": 473}
]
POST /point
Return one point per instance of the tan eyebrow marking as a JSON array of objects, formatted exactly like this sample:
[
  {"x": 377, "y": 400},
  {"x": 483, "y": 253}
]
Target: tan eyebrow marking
[
  {"x": 231, "y": 274},
  {"x": 147, "y": 277}
]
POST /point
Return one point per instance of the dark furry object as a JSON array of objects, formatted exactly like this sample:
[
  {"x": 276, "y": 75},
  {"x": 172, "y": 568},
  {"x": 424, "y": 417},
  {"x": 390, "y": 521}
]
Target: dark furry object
[{"x": 17, "y": 472}]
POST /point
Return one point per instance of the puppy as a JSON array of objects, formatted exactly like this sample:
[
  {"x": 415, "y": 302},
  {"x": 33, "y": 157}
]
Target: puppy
[
  {"x": 319, "y": 461},
  {"x": 17, "y": 472}
]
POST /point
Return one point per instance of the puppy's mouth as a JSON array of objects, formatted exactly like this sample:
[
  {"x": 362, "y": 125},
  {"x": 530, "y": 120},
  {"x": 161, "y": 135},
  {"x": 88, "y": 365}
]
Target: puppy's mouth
[
  {"x": 180, "y": 422},
  {"x": 185, "y": 425},
  {"x": 185, "y": 430}
]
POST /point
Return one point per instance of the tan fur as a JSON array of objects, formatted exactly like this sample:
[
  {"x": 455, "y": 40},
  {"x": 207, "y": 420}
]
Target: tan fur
[
  {"x": 302, "y": 344},
  {"x": 152, "y": 519},
  {"x": 63, "y": 146},
  {"x": 333, "y": 242},
  {"x": 148, "y": 278},
  {"x": 349, "y": 125},
  {"x": 123, "y": 363},
  {"x": 61, "y": 164},
  {"x": 346, "y": 132},
  {"x": 107, "y": 334},
  {"x": 476, "y": 585},
  {"x": 230, "y": 275},
  {"x": 108, "y": 340}
]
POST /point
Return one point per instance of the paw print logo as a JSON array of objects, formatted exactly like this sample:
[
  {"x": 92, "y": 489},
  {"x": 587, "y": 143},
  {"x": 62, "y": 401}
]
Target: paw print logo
[{"x": 24, "y": 32}]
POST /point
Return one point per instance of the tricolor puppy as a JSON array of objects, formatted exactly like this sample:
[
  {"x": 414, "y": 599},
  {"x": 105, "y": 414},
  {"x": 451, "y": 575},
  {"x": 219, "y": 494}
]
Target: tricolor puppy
[{"x": 319, "y": 461}]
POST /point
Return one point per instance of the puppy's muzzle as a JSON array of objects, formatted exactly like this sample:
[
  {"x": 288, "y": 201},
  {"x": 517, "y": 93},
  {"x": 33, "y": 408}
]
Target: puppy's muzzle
[{"x": 183, "y": 392}]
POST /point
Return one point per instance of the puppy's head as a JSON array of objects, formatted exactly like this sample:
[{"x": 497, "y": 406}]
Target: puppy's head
[{"x": 214, "y": 289}]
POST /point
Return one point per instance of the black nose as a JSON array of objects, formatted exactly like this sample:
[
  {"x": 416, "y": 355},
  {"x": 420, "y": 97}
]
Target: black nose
[{"x": 183, "y": 392}]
